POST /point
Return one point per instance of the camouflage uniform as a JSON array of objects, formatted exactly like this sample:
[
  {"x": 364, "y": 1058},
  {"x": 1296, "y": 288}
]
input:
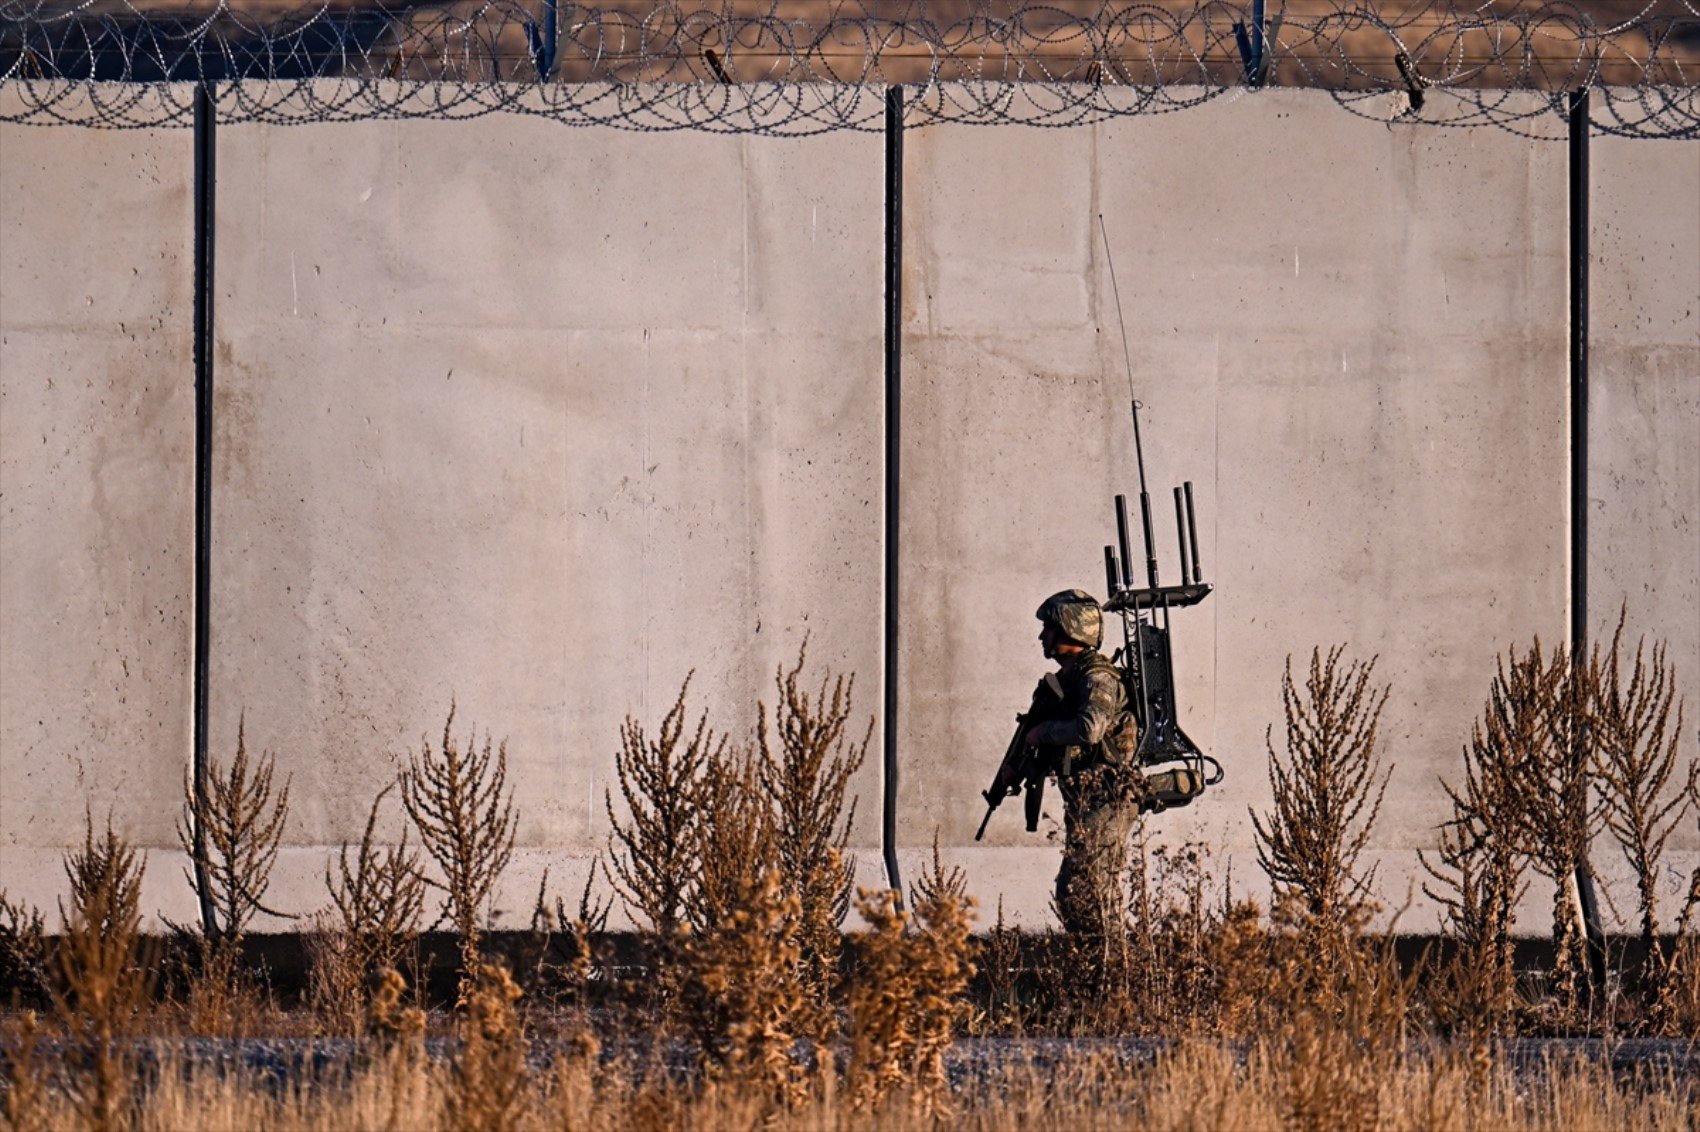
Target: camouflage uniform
[{"x": 1094, "y": 737}]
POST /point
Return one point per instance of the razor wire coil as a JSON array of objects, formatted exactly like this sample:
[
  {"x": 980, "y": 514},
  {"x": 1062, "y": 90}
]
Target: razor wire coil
[{"x": 799, "y": 67}]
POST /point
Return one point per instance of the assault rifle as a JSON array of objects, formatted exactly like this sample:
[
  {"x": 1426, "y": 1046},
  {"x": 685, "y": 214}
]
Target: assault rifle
[{"x": 1024, "y": 768}]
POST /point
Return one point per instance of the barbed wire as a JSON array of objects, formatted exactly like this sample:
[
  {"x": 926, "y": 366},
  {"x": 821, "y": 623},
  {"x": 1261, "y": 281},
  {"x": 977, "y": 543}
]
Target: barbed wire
[{"x": 796, "y": 67}]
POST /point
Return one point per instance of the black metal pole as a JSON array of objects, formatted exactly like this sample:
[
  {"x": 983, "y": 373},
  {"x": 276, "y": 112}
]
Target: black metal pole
[
  {"x": 893, "y": 436},
  {"x": 205, "y": 174},
  {"x": 1579, "y": 253}
]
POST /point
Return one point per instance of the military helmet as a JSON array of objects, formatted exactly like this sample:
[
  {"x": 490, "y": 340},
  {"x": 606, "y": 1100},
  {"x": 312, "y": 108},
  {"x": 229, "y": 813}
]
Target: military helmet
[{"x": 1076, "y": 615}]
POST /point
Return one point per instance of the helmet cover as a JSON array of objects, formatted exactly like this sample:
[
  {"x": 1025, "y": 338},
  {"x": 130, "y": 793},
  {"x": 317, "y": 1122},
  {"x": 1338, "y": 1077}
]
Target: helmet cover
[{"x": 1076, "y": 615}]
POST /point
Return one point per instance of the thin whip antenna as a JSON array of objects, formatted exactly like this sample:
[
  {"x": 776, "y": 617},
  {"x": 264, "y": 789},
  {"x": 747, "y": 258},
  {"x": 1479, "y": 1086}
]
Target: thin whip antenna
[
  {"x": 1133, "y": 403},
  {"x": 1127, "y": 353}
]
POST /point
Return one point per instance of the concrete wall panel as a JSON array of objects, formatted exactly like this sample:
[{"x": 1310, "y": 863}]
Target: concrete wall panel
[
  {"x": 1359, "y": 360},
  {"x": 96, "y": 491},
  {"x": 540, "y": 419},
  {"x": 514, "y": 419},
  {"x": 1644, "y": 416}
]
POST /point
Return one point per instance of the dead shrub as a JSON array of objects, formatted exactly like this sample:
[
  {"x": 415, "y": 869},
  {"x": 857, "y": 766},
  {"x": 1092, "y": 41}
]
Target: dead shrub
[
  {"x": 1476, "y": 876},
  {"x": 241, "y": 822},
  {"x": 907, "y": 1001},
  {"x": 1176, "y": 979},
  {"x": 1635, "y": 741},
  {"x": 487, "y": 1080},
  {"x": 1326, "y": 794},
  {"x": 564, "y": 946},
  {"x": 1538, "y": 719},
  {"x": 373, "y": 919},
  {"x": 997, "y": 956},
  {"x": 238, "y": 825},
  {"x": 1336, "y": 1024},
  {"x": 653, "y": 849},
  {"x": 804, "y": 768},
  {"x": 460, "y": 803},
  {"x": 1677, "y": 1009},
  {"x": 742, "y": 992},
  {"x": 24, "y": 962},
  {"x": 23, "y": 1086},
  {"x": 104, "y": 984}
]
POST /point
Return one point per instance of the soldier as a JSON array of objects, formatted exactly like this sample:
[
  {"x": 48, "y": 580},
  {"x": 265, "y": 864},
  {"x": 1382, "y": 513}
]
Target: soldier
[{"x": 1092, "y": 737}]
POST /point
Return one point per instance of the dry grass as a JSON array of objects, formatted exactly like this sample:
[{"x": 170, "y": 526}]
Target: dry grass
[{"x": 1194, "y": 1085}]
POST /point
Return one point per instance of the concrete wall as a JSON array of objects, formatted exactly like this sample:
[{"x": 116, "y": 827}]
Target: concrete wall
[
  {"x": 97, "y": 476},
  {"x": 537, "y": 420},
  {"x": 1353, "y": 340}
]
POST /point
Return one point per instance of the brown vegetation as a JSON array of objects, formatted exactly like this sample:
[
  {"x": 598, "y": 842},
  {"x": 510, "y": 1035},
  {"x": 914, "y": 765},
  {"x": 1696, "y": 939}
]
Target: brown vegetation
[
  {"x": 460, "y": 803},
  {"x": 733, "y": 856}
]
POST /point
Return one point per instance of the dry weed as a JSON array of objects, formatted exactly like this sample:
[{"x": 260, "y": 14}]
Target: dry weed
[
  {"x": 240, "y": 823},
  {"x": 1187, "y": 942},
  {"x": 1635, "y": 740},
  {"x": 1477, "y": 873},
  {"x": 24, "y": 961},
  {"x": 23, "y": 1087},
  {"x": 1326, "y": 796},
  {"x": 236, "y": 827},
  {"x": 1336, "y": 1025},
  {"x": 743, "y": 993},
  {"x": 373, "y": 919},
  {"x": 804, "y": 769},
  {"x": 460, "y": 802},
  {"x": 1677, "y": 1009},
  {"x": 104, "y": 983},
  {"x": 653, "y": 850},
  {"x": 1538, "y": 719},
  {"x": 907, "y": 1002},
  {"x": 487, "y": 1081},
  {"x": 565, "y": 948},
  {"x": 997, "y": 956}
]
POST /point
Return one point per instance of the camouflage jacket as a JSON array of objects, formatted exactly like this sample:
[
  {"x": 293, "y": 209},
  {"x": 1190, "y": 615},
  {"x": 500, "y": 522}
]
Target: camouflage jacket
[{"x": 1093, "y": 722}]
